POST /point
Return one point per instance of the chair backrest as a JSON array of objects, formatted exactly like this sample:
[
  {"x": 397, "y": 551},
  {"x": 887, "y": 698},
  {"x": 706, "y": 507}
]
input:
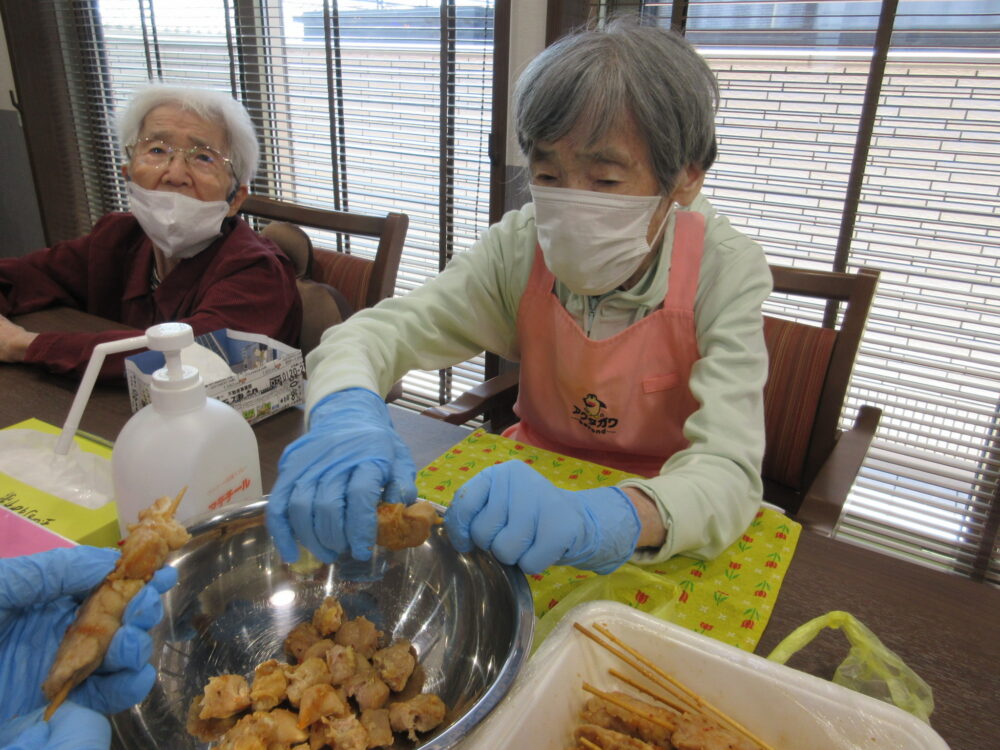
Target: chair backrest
[
  {"x": 809, "y": 371},
  {"x": 363, "y": 281}
]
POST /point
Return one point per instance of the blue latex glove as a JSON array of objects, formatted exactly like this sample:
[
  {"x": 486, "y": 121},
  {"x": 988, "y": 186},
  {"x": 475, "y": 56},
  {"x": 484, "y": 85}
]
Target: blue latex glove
[
  {"x": 72, "y": 727},
  {"x": 331, "y": 478},
  {"x": 39, "y": 595},
  {"x": 514, "y": 512}
]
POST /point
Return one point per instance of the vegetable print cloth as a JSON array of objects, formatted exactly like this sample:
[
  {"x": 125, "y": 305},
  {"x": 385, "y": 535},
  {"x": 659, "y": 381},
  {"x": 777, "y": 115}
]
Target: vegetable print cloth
[{"x": 729, "y": 598}]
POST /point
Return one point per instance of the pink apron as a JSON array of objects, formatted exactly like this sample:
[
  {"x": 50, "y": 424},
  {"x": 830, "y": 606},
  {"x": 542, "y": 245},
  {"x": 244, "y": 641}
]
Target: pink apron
[{"x": 622, "y": 401}]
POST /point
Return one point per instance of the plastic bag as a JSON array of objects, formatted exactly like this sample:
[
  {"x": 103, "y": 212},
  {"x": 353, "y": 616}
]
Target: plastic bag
[
  {"x": 630, "y": 584},
  {"x": 870, "y": 668}
]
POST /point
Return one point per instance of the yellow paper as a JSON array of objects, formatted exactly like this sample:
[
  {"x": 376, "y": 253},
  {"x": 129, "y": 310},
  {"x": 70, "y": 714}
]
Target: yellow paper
[
  {"x": 98, "y": 527},
  {"x": 729, "y": 598}
]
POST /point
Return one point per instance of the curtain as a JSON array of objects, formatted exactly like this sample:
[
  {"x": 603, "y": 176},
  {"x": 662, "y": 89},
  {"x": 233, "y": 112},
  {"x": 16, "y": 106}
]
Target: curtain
[{"x": 864, "y": 133}]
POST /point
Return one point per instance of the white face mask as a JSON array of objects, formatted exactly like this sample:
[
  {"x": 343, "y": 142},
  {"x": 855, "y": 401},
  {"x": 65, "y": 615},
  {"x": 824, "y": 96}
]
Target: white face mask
[
  {"x": 592, "y": 242},
  {"x": 179, "y": 225}
]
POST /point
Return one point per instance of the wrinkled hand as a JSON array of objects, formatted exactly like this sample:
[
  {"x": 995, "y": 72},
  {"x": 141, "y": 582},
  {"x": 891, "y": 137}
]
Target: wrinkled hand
[
  {"x": 71, "y": 727},
  {"x": 331, "y": 479},
  {"x": 39, "y": 596},
  {"x": 514, "y": 512},
  {"x": 14, "y": 341}
]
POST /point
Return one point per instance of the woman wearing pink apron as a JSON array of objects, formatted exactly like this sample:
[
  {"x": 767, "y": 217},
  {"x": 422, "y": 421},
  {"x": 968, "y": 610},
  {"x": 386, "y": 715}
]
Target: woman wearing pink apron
[
  {"x": 622, "y": 401},
  {"x": 637, "y": 326}
]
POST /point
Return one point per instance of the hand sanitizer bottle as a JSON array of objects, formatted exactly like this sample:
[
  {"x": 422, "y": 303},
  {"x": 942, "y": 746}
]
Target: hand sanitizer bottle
[{"x": 183, "y": 439}]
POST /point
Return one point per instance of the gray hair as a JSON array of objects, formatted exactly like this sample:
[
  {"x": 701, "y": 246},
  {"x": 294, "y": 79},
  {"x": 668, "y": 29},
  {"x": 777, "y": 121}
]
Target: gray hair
[
  {"x": 209, "y": 104},
  {"x": 597, "y": 75}
]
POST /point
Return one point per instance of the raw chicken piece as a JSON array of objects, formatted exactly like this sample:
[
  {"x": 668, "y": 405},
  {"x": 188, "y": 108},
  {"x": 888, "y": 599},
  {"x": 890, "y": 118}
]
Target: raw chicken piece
[
  {"x": 395, "y": 664},
  {"x": 376, "y": 723},
  {"x": 698, "y": 732},
  {"x": 321, "y": 700},
  {"x": 319, "y": 648},
  {"x": 342, "y": 662},
  {"x": 328, "y": 618},
  {"x": 253, "y": 732},
  {"x": 270, "y": 685},
  {"x": 310, "y": 672},
  {"x": 361, "y": 634},
  {"x": 367, "y": 689},
  {"x": 419, "y": 714},
  {"x": 610, "y": 716},
  {"x": 343, "y": 734},
  {"x": 206, "y": 730},
  {"x": 300, "y": 639},
  {"x": 285, "y": 729},
  {"x": 401, "y": 526},
  {"x": 225, "y": 695}
]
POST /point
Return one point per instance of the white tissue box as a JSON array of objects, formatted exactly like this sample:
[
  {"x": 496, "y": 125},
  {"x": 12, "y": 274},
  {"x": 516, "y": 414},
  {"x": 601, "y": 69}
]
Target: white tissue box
[{"x": 265, "y": 377}]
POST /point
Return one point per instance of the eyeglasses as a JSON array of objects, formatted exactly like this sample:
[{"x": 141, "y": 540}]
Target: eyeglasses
[{"x": 155, "y": 153}]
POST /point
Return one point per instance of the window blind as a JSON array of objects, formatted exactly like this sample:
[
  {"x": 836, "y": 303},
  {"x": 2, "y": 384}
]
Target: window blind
[
  {"x": 361, "y": 106},
  {"x": 794, "y": 77}
]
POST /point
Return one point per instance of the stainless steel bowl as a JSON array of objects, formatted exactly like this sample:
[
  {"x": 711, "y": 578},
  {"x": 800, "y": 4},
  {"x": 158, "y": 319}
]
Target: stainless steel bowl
[{"x": 469, "y": 618}]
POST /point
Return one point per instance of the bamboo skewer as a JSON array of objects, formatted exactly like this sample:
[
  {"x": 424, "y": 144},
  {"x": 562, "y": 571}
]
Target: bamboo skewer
[
  {"x": 627, "y": 707},
  {"x": 702, "y": 704},
  {"x": 685, "y": 704},
  {"x": 675, "y": 707},
  {"x": 588, "y": 744},
  {"x": 176, "y": 502},
  {"x": 668, "y": 683}
]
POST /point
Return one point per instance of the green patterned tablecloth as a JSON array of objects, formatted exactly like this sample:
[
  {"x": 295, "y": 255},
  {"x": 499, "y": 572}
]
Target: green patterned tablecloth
[{"x": 729, "y": 598}]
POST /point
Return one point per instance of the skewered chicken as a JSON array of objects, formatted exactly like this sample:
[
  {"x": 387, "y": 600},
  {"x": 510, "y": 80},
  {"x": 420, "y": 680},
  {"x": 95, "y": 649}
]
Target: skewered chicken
[
  {"x": 611, "y": 716},
  {"x": 86, "y": 641},
  {"x": 698, "y": 732},
  {"x": 609, "y": 739}
]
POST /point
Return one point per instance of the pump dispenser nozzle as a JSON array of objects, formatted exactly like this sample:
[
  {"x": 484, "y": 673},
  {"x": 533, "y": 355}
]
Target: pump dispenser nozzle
[{"x": 168, "y": 338}]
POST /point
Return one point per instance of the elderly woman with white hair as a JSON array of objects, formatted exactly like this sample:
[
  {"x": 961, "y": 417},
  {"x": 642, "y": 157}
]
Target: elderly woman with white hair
[
  {"x": 180, "y": 254},
  {"x": 634, "y": 310}
]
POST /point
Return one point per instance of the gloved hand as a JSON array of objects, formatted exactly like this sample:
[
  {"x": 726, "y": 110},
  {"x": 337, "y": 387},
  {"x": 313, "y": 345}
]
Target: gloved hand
[
  {"x": 514, "y": 512},
  {"x": 39, "y": 595},
  {"x": 331, "y": 478},
  {"x": 71, "y": 727}
]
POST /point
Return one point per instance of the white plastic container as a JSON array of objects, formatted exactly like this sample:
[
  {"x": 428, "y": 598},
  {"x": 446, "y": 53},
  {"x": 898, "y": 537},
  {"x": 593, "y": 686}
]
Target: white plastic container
[
  {"x": 183, "y": 439},
  {"x": 786, "y": 708}
]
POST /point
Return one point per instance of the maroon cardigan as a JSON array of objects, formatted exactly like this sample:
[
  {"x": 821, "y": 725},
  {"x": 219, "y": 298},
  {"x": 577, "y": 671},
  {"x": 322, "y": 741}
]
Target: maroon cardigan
[{"x": 241, "y": 281}]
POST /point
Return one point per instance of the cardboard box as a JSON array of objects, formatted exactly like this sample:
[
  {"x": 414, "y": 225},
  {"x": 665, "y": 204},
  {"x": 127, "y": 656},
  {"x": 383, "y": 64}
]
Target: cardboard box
[
  {"x": 267, "y": 376},
  {"x": 32, "y": 520}
]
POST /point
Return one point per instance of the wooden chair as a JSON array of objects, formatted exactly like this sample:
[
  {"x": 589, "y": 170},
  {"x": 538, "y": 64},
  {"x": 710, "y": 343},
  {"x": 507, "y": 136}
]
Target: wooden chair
[
  {"x": 809, "y": 463},
  {"x": 342, "y": 277}
]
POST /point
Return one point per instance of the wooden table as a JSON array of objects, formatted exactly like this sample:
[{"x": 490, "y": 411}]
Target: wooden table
[{"x": 945, "y": 627}]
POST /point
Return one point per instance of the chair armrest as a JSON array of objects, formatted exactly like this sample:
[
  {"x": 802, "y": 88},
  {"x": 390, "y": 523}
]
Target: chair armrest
[
  {"x": 820, "y": 510},
  {"x": 476, "y": 400}
]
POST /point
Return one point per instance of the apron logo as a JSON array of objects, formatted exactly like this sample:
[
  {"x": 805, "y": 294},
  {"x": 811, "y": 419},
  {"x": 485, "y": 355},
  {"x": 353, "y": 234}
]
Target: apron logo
[{"x": 592, "y": 415}]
